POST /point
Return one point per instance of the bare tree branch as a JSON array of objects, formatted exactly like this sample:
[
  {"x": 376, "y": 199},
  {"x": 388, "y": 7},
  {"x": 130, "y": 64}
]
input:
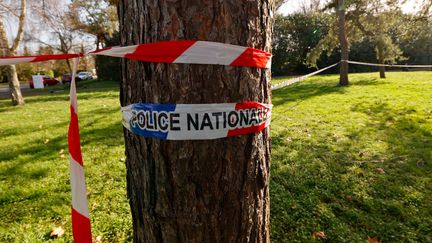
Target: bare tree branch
[
  {"x": 21, "y": 23},
  {"x": 9, "y": 10}
]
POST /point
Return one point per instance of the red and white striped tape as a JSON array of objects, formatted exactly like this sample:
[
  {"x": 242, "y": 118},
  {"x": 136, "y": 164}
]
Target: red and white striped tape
[
  {"x": 80, "y": 213},
  {"x": 192, "y": 52},
  {"x": 185, "y": 51},
  {"x": 12, "y": 60}
]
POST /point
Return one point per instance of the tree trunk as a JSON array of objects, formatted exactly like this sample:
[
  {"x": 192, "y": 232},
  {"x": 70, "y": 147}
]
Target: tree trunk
[
  {"x": 381, "y": 58},
  {"x": 208, "y": 190},
  {"x": 69, "y": 66},
  {"x": 343, "y": 40},
  {"x": 14, "y": 85}
]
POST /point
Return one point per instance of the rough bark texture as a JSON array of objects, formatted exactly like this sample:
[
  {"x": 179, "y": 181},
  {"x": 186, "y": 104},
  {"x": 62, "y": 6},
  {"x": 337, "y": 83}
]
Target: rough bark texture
[
  {"x": 343, "y": 40},
  {"x": 381, "y": 59},
  {"x": 197, "y": 191},
  {"x": 14, "y": 85}
]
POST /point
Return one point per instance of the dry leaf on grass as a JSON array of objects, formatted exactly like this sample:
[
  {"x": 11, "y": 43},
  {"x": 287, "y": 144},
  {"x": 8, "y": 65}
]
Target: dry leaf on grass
[
  {"x": 46, "y": 141},
  {"x": 319, "y": 235},
  {"x": 380, "y": 170},
  {"x": 373, "y": 240},
  {"x": 97, "y": 239},
  {"x": 57, "y": 232}
]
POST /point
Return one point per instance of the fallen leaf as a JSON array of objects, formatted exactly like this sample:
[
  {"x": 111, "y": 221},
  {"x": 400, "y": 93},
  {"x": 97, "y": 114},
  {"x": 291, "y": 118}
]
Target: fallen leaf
[
  {"x": 40, "y": 126},
  {"x": 98, "y": 238},
  {"x": 61, "y": 151},
  {"x": 57, "y": 232},
  {"x": 62, "y": 155},
  {"x": 46, "y": 141},
  {"x": 373, "y": 240},
  {"x": 380, "y": 170},
  {"x": 319, "y": 234},
  {"x": 122, "y": 159}
]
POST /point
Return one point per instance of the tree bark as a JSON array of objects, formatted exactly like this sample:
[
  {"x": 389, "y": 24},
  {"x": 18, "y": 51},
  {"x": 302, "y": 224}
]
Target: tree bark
[
  {"x": 14, "y": 85},
  {"x": 381, "y": 59},
  {"x": 197, "y": 191},
  {"x": 343, "y": 40}
]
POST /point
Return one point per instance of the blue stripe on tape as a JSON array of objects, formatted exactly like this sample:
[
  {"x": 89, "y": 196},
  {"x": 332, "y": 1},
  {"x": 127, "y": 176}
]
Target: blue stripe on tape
[{"x": 146, "y": 111}]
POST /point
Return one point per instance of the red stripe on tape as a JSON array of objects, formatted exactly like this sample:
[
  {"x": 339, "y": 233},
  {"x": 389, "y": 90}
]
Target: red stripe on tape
[
  {"x": 81, "y": 228},
  {"x": 246, "y": 130},
  {"x": 15, "y": 57},
  {"x": 165, "y": 51},
  {"x": 55, "y": 57},
  {"x": 249, "y": 105},
  {"x": 252, "y": 58},
  {"x": 74, "y": 138}
]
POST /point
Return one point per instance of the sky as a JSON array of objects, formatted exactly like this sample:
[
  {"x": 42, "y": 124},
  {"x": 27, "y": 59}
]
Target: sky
[{"x": 295, "y": 5}]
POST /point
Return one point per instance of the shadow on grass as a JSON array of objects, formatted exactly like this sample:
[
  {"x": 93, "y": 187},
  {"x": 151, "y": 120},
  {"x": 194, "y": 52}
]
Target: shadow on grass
[
  {"x": 35, "y": 150},
  {"x": 82, "y": 95},
  {"x": 306, "y": 90},
  {"x": 337, "y": 186},
  {"x": 59, "y": 95}
]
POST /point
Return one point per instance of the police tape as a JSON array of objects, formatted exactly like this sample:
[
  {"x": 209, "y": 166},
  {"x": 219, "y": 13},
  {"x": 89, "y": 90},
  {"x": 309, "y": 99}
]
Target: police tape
[
  {"x": 301, "y": 78},
  {"x": 192, "y": 52},
  {"x": 12, "y": 60},
  {"x": 184, "y": 51},
  {"x": 196, "y": 121},
  {"x": 81, "y": 228},
  {"x": 389, "y": 65}
]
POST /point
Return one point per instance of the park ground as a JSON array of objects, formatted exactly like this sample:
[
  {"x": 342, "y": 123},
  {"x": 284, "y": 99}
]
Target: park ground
[{"x": 348, "y": 163}]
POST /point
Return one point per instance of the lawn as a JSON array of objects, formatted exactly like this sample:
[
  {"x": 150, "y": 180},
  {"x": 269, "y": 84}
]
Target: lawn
[{"x": 353, "y": 162}]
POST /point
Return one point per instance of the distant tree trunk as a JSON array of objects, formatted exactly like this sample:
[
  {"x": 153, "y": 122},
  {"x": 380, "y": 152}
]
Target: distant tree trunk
[
  {"x": 69, "y": 66},
  {"x": 14, "y": 85},
  {"x": 380, "y": 49},
  {"x": 197, "y": 191},
  {"x": 343, "y": 40}
]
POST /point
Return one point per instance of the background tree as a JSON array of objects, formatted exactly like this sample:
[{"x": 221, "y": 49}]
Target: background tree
[
  {"x": 108, "y": 67},
  {"x": 294, "y": 37},
  {"x": 416, "y": 42},
  {"x": 95, "y": 17},
  {"x": 25, "y": 70},
  {"x": 197, "y": 191},
  {"x": 343, "y": 41},
  {"x": 337, "y": 35},
  {"x": 378, "y": 21},
  {"x": 58, "y": 24},
  {"x": 279, "y": 3},
  {"x": 10, "y": 50}
]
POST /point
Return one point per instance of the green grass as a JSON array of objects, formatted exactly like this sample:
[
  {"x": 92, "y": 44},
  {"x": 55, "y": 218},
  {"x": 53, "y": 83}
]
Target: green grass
[
  {"x": 281, "y": 79},
  {"x": 328, "y": 145},
  {"x": 34, "y": 178}
]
